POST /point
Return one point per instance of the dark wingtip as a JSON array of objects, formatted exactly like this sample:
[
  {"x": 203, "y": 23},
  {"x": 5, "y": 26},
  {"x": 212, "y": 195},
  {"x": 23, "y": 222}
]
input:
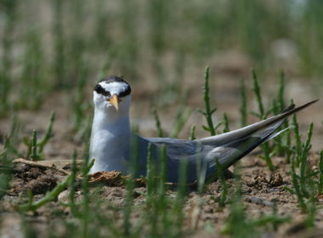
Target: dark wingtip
[
  {"x": 293, "y": 106},
  {"x": 292, "y": 109},
  {"x": 316, "y": 100},
  {"x": 308, "y": 104}
]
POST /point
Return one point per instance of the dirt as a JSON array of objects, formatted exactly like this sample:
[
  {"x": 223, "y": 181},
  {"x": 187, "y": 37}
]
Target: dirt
[
  {"x": 262, "y": 190},
  {"x": 34, "y": 179}
]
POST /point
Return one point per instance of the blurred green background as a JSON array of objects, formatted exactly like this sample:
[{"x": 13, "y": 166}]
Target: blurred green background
[
  {"x": 53, "y": 45},
  {"x": 52, "y": 52}
]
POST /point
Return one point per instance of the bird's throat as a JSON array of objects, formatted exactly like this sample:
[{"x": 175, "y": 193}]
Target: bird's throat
[
  {"x": 110, "y": 141},
  {"x": 112, "y": 122}
]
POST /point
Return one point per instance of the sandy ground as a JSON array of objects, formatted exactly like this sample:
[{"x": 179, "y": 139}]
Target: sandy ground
[{"x": 261, "y": 189}]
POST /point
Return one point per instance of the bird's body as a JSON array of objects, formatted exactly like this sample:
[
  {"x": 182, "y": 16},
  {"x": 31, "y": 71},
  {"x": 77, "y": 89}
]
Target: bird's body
[{"x": 113, "y": 146}]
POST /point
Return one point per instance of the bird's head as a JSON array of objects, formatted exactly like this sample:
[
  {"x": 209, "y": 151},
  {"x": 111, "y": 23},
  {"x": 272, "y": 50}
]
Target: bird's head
[{"x": 112, "y": 94}]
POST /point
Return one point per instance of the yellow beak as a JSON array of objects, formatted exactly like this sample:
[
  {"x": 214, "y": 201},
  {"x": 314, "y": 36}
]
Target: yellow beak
[{"x": 114, "y": 100}]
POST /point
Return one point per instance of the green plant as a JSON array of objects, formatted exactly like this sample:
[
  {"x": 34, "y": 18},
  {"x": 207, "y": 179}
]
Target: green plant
[
  {"x": 32, "y": 86},
  {"x": 244, "y": 105},
  {"x": 182, "y": 115},
  {"x": 208, "y": 111},
  {"x": 306, "y": 184},
  {"x": 7, "y": 154},
  {"x": 262, "y": 114},
  {"x": 35, "y": 147},
  {"x": 59, "y": 64},
  {"x": 223, "y": 199},
  {"x": 160, "y": 131},
  {"x": 226, "y": 123},
  {"x": 10, "y": 14},
  {"x": 320, "y": 185},
  {"x": 5, "y": 172}
]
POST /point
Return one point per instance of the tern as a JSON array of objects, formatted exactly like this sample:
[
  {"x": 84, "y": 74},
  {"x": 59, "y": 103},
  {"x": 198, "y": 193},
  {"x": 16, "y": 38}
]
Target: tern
[{"x": 111, "y": 139}]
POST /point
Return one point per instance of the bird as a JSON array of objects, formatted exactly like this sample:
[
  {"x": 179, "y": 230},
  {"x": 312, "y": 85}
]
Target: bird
[{"x": 112, "y": 141}]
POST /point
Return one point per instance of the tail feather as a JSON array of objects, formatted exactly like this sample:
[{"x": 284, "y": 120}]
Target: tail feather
[
  {"x": 234, "y": 145},
  {"x": 231, "y": 152},
  {"x": 225, "y": 138}
]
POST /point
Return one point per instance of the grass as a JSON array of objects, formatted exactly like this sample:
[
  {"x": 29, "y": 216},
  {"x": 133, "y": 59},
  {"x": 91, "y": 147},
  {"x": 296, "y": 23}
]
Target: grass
[
  {"x": 262, "y": 114},
  {"x": 35, "y": 147},
  {"x": 281, "y": 145},
  {"x": 164, "y": 43},
  {"x": 243, "y": 106},
  {"x": 7, "y": 61},
  {"x": 320, "y": 184},
  {"x": 7, "y": 154},
  {"x": 56, "y": 57},
  {"x": 305, "y": 183},
  {"x": 208, "y": 111},
  {"x": 223, "y": 198},
  {"x": 6, "y": 173}
]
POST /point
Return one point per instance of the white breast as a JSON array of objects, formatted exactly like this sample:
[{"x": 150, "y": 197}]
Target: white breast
[{"x": 110, "y": 143}]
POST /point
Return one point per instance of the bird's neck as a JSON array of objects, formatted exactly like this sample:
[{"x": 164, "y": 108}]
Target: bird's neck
[
  {"x": 113, "y": 122},
  {"x": 110, "y": 141}
]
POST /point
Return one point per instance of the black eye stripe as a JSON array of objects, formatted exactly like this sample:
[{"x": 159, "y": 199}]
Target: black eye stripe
[
  {"x": 98, "y": 88},
  {"x": 125, "y": 93},
  {"x": 117, "y": 79}
]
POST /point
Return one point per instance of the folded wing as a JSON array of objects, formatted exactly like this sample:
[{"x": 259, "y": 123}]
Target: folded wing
[{"x": 226, "y": 148}]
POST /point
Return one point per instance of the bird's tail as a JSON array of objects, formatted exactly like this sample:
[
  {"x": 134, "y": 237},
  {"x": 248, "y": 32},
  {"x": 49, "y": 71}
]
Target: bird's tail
[{"x": 232, "y": 146}]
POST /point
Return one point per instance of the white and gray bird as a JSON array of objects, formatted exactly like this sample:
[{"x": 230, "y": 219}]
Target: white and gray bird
[{"x": 111, "y": 138}]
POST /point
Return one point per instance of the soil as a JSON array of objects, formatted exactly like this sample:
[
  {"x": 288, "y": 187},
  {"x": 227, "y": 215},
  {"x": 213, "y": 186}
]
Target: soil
[{"x": 262, "y": 191}]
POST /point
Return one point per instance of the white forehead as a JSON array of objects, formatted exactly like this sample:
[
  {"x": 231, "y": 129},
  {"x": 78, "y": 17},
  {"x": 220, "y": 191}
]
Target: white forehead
[{"x": 114, "y": 87}]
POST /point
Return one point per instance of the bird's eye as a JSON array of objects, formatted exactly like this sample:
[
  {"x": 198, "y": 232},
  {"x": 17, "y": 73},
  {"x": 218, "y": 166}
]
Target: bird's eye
[
  {"x": 98, "y": 88},
  {"x": 106, "y": 93}
]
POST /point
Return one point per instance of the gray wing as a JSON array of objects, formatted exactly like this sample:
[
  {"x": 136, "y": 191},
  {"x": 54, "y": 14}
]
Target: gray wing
[
  {"x": 177, "y": 150},
  {"x": 231, "y": 146},
  {"x": 225, "y": 149}
]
